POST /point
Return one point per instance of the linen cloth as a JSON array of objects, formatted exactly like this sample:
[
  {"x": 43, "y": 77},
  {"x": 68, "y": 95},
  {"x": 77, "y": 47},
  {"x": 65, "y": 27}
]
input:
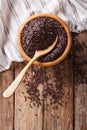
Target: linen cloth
[{"x": 14, "y": 12}]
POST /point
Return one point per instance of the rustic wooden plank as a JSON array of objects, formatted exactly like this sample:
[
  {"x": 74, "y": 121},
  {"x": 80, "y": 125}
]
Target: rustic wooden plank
[
  {"x": 46, "y": 117},
  {"x": 59, "y": 116},
  {"x": 6, "y": 105},
  {"x": 27, "y": 116},
  {"x": 80, "y": 81}
]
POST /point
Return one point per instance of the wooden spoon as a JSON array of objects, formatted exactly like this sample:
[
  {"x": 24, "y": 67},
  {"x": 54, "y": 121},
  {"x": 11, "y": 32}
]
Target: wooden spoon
[{"x": 11, "y": 89}]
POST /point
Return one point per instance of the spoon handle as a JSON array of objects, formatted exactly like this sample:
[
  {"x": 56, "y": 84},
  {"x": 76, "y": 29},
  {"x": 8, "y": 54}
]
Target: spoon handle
[{"x": 11, "y": 89}]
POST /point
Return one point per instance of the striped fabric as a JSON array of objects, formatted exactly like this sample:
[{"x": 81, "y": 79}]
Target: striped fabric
[{"x": 14, "y": 12}]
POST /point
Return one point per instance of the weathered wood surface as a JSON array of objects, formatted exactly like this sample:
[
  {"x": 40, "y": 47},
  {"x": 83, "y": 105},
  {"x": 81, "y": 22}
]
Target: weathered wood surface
[
  {"x": 25, "y": 114},
  {"x": 46, "y": 116},
  {"x": 80, "y": 81},
  {"x": 62, "y": 117},
  {"x": 6, "y": 105},
  {"x": 69, "y": 113}
]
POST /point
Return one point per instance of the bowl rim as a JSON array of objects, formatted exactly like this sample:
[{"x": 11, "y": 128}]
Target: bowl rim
[{"x": 69, "y": 41}]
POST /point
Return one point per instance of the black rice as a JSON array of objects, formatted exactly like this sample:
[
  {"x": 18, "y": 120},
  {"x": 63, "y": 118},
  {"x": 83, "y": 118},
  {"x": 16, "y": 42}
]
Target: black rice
[{"x": 40, "y": 33}]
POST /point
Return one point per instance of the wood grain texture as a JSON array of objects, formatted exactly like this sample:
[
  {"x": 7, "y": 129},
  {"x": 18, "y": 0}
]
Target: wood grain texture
[
  {"x": 6, "y": 105},
  {"x": 80, "y": 81},
  {"x": 27, "y": 117},
  {"x": 61, "y": 116},
  {"x": 46, "y": 117},
  {"x": 19, "y": 113}
]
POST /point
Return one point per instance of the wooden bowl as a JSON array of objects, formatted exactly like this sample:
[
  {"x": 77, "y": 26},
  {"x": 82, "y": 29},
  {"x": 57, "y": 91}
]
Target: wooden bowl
[{"x": 67, "y": 49}]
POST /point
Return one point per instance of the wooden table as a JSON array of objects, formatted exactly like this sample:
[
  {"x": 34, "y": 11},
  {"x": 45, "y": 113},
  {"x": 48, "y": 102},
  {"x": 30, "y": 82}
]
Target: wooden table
[{"x": 71, "y": 114}]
